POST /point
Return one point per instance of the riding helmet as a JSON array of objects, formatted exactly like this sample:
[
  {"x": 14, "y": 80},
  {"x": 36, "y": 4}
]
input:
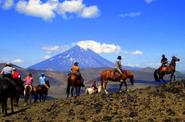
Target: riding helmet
[
  {"x": 76, "y": 63},
  {"x": 119, "y": 57},
  {"x": 8, "y": 64}
]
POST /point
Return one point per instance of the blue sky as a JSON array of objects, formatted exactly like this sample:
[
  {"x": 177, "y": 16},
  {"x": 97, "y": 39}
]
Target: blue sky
[{"x": 139, "y": 30}]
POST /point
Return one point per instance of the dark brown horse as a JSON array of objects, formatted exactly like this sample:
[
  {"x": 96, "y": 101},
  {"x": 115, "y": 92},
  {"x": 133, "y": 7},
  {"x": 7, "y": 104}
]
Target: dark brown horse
[
  {"x": 162, "y": 71},
  {"x": 111, "y": 75},
  {"x": 7, "y": 90},
  {"x": 19, "y": 90},
  {"x": 41, "y": 91},
  {"x": 74, "y": 81}
]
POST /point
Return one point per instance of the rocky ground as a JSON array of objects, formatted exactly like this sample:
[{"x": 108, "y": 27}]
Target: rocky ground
[{"x": 153, "y": 104}]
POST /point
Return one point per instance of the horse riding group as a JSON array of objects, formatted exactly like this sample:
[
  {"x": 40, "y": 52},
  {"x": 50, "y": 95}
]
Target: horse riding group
[
  {"x": 75, "y": 80},
  {"x": 13, "y": 86}
]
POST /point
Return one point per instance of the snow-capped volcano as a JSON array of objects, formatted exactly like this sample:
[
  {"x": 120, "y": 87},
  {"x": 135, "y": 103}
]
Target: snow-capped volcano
[{"x": 64, "y": 61}]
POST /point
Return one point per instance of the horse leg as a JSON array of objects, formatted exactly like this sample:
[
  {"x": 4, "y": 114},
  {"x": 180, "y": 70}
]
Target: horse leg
[
  {"x": 2, "y": 105},
  {"x": 173, "y": 77},
  {"x": 72, "y": 91},
  {"x": 126, "y": 85},
  {"x": 11, "y": 100},
  {"x": 17, "y": 100},
  {"x": 106, "y": 87},
  {"x": 35, "y": 97},
  {"x": 68, "y": 90},
  {"x": 25, "y": 98},
  {"x": 40, "y": 97},
  {"x": 30, "y": 98},
  {"x": 162, "y": 78},
  {"x": 44, "y": 99},
  {"x": 120, "y": 86},
  {"x": 79, "y": 91},
  {"x": 5, "y": 105}
]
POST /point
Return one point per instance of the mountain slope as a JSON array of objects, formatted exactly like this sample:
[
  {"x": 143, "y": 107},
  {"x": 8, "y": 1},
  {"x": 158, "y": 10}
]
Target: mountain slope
[
  {"x": 152, "y": 104},
  {"x": 62, "y": 62}
]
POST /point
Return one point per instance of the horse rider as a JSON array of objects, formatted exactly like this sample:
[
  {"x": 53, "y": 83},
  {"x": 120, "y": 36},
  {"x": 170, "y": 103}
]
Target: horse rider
[
  {"x": 76, "y": 71},
  {"x": 164, "y": 61},
  {"x": 118, "y": 65},
  {"x": 95, "y": 87},
  {"x": 7, "y": 71},
  {"x": 28, "y": 82},
  {"x": 16, "y": 77},
  {"x": 15, "y": 74},
  {"x": 42, "y": 80}
]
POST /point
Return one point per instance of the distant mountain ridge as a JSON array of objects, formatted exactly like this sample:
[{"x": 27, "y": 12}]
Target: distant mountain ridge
[
  {"x": 86, "y": 58},
  {"x": 62, "y": 62}
]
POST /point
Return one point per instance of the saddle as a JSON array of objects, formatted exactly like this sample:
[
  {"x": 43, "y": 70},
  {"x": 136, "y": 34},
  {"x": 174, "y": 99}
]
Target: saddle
[{"x": 164, "y": 68}]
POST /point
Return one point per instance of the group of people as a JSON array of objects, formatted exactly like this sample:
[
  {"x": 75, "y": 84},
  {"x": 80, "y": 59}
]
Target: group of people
[{"x": 13, "y": 75}]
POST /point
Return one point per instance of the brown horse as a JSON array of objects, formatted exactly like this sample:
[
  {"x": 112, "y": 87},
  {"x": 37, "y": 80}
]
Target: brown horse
[
  {"x": 41, "y": 91},
  {"x": 111, "y": 75},
  {"x": 74, "y": 81},
  {"x": 28, "y": 94},
  {"x": 162, "y": 71}
]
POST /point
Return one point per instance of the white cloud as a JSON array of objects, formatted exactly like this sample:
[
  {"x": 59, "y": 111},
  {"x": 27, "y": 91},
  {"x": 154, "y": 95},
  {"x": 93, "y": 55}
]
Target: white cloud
[
  {"x": 136, "y": 52},
  {"x": 51, "y": 49},
  {"x": 130, "y": 14},
  {"x": 55, "y": 48},
  {"x": 99, "y": 47},
  {"x": 77, "y": 7},
  {"x": 149, "y": 1},
  {"x": 47, "y": 57},
  {"x": 90, "y": 12},
  {"x": 18, "y": 61},
  {"x": 7, "y": 4},
  {"x": 48, "y": 9},
  {"x": 73, "y": 6},
  {"x": 37, "y": 8}
]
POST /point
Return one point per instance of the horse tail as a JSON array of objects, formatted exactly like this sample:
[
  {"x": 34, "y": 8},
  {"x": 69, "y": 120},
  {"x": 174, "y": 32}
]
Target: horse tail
[
  {"x": 156, "y": 76},
  {"x": 132, "y": 80}
]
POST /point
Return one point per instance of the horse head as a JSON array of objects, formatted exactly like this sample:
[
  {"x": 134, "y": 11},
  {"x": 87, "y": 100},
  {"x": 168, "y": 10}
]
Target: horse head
[{"x": 174, "y": 61}]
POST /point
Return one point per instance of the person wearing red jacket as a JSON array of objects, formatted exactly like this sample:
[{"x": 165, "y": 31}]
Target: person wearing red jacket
[{"x": 15, "y": 74}]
